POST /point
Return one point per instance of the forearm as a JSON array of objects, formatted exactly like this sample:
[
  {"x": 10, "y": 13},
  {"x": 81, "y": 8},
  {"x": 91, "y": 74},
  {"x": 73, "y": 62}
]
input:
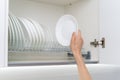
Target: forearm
[{"x": 83, "y": 72}]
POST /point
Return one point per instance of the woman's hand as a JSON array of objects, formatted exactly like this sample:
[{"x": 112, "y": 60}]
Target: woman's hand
[
  {"x": 76, "y": 46},
  {"x": 76, "y": 42}
]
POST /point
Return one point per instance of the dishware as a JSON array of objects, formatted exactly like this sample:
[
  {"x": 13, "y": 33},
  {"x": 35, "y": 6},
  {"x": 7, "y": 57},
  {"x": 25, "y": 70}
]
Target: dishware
[
  {"x": 10, "y": 36},
  {"x": 14, "y": 33},
  {"x": 33, "y": 33},
  {"x": 66, "y": 25},
  {"x": 40, "y": 34},
  {"x": 22, "y": 36},
  {"x": 27, "y": 32}
]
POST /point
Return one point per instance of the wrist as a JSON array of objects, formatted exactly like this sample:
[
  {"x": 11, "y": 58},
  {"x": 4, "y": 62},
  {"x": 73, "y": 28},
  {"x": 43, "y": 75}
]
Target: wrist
[
  {"x": 78, "y": 57},
  {"x": 76, "y": 51},
  {"x": 77, "y": 54}
]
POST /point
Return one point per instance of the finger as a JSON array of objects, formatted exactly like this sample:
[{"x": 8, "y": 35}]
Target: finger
[
  {"x": 79, "y": 34},
  {"x": 73, "y": 38},
  {"x": 79, "y": 37}
]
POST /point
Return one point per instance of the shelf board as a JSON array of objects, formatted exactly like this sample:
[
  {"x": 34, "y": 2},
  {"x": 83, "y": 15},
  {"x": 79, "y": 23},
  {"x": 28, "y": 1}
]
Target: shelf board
[
  {"x": 62, "y": 62},
  {"x": 57, "y": 2}
]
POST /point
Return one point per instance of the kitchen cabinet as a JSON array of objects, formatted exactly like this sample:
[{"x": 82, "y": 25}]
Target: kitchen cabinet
[{"x": 47, "y": 13}]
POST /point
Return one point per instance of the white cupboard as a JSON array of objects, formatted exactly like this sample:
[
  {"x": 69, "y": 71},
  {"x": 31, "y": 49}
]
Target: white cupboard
[{"x": 47, "y": 13}]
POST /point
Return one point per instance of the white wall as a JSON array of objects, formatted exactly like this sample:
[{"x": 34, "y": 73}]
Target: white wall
[{"x": 110, "y": 29}]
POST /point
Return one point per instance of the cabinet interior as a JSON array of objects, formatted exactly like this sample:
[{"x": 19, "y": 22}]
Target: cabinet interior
[{"x": 47, "y": 13}]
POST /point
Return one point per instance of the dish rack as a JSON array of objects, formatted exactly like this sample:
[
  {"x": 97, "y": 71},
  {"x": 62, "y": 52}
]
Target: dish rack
[{"x": 28, "y": 35}]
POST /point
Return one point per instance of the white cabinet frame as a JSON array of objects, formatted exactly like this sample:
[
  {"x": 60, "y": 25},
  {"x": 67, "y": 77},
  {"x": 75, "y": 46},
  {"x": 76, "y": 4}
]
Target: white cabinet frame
[{"x": 3, "y": 32}]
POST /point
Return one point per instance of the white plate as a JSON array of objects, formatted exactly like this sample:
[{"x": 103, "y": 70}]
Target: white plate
[
  {"x": 21, "y": 34},
  {"x": 14, "y": 31},
  {"x": 42, "y": 39},
  {"x": 66, "y": 25},
  {"x": 52, "y": 31},
  {"x": 33, "y": 32},
  {"x": 30, "y": 31},
  {"x": 37, "y": 33},
  {"x": 10, "y": 34},
  {"x": 26, "y": 35},
  {"x": 17, "y": 33},
  {"x": 29, "y": 39},
  {"x": 47, "y": 37}
]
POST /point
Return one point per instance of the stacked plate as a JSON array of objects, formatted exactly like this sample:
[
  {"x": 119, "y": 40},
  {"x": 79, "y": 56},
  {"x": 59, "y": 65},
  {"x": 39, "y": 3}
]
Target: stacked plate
[
  {"x": 27, "y": 34},
  {"x": 16, "y": 35}
]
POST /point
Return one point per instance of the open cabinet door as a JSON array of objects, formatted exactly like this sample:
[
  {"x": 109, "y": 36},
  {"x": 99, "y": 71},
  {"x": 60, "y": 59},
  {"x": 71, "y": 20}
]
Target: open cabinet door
[
  {"x": 3, "y": 32},
  {"x": 110, "y": 29}
]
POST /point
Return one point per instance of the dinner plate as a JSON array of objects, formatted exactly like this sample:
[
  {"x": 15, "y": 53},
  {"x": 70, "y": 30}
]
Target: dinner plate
[
  {"x": 10, "y": 36},
  {"x": 30, "y": 31},
  {"x": 40, "y": 34},
  {"x": 37, "y": 33},
  {"x": 12, "y": 33},
  {"x": 33, "y": 32},
  {"x": 47, "y": 37},
  {"x": 9, "y": 32},
  {"x": 27, "y": 33},
  {"x": 18, "y": 33},
  {"x": 15, "y": 34},
  {"x": 45, "y": 46},
  {"x": 66, "y": 25},
  {"x": 21, "y": 35},
  {"x": 52, "y": 37}
]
